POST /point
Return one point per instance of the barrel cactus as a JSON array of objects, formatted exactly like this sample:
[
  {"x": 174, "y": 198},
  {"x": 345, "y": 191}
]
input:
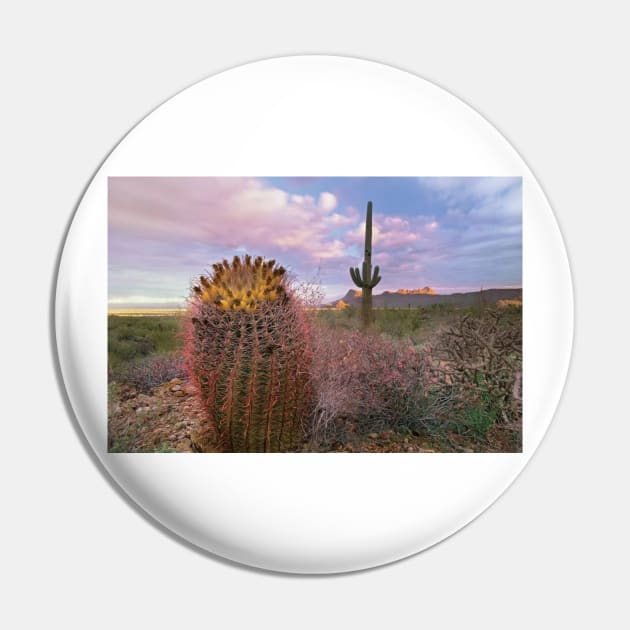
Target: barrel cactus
[{"x": 248, "y": 355}]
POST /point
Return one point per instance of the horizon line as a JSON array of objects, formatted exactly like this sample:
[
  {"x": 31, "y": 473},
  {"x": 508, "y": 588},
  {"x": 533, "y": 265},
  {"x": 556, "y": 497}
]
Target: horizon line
[{"x": 167, "y": 304}]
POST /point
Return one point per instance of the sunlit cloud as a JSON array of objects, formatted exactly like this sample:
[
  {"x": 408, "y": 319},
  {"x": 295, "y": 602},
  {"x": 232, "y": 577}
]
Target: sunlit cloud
[
  {"x": 442, "y": 232},
  {"x": 327, "y": 201}
]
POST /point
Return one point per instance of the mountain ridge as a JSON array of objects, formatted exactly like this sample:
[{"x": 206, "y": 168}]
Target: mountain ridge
[{"x": 408, "y": 298}]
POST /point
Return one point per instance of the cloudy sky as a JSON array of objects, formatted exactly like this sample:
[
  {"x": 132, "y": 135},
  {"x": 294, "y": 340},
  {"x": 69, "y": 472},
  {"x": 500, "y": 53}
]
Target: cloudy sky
[{"x": 453, "y": 234}]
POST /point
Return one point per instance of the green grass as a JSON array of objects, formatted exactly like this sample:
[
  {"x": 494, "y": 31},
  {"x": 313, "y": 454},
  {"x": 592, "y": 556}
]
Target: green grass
[
  {"x": 415, "y": 323},
  {"x": 131, "y": 338}
]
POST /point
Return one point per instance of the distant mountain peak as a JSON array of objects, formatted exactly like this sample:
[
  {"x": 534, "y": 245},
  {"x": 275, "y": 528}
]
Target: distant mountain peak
[
  {"x": 423, "y": 291},
  {"x": 352, "y": 294},
  {"x": 407, "y": 298},
  {"x": 341, "y": 304}
]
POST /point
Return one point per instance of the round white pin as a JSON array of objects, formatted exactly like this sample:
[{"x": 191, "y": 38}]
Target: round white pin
[{"x": 445, "y": 365}]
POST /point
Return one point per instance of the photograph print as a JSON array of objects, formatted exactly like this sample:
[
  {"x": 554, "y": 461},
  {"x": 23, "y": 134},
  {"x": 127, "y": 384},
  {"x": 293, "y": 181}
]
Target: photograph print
[{"x": 315, "y": 315}]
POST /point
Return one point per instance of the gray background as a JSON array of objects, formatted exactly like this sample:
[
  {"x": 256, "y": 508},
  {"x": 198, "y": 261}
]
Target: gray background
[{"x": 552, "y": 77}]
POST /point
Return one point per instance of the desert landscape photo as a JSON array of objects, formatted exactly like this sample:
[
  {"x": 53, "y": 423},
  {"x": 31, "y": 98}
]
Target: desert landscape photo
[{"x": 315, "y": 314}]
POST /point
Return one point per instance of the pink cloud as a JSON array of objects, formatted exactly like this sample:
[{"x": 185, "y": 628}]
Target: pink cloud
[
  {"x": 232, "y": 212},
  {"x": 327, "y": 201},
  {"x": 164, "y": 230},
  {"x": 387, "y": 232}
]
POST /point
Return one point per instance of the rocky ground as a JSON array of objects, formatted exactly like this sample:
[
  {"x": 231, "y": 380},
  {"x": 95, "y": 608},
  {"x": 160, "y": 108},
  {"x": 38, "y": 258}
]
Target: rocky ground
[
  {"x": 161, "y": 421},
  {"x": 164, "y": 421}
]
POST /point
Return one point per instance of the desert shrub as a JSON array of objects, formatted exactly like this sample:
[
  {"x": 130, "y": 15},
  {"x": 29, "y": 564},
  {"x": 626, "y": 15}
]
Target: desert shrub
[
  {"x": 400, "y": 322},
  {"x": 339, "y": 318},
  {"x": 146, "y": 373},
  {"x": 248, "y": 354},
  {"x": 365, "y": 382},
  {"x": 476, "y": 368},
  {"x": 417, "y": 324},
  {"x": 130, "y": 338}
]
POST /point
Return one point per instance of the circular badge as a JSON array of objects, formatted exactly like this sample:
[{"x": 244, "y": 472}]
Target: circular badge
[{"x": 314, "y": 314}]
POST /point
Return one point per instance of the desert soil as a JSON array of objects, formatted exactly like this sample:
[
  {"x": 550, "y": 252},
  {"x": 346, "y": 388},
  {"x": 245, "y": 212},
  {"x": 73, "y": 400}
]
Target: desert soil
[{"x": 164, "y": 420}]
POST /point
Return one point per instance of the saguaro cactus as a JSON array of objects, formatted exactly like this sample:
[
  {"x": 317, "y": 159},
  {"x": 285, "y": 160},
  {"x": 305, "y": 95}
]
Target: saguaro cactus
[{"x": 366, "y": 280}]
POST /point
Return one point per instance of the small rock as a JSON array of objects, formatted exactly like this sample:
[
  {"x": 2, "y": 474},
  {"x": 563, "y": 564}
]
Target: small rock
[
  {"x": 179, "y": 393},
  {"x": 373, "y": 435},
  {"x": 141, "y": 410},
  {"x": 175, "y": 381},
  {"x": 128, "y": 394},
  {"x": 176, "y": 388}
]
